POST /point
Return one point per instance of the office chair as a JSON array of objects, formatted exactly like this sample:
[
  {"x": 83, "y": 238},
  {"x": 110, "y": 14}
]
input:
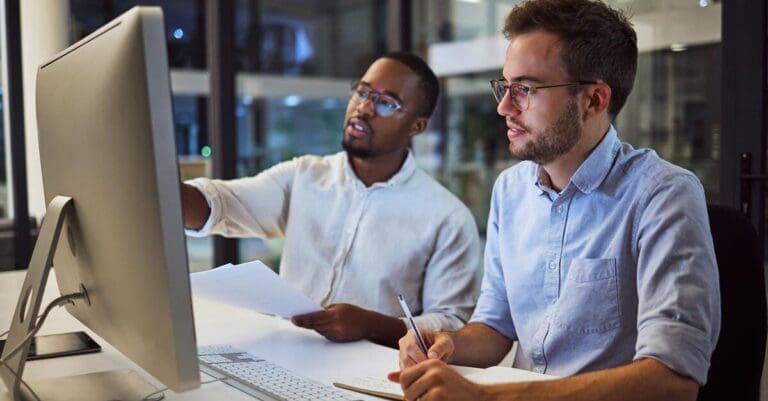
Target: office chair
[{"x": 737, "y": 361}]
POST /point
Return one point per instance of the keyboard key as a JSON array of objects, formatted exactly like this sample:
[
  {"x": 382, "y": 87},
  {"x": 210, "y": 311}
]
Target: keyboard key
[{"x": 266, "y": 377}]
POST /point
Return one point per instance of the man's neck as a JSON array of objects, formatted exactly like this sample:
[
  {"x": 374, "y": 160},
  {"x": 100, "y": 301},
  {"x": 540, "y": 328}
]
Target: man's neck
[
  {"x": 381, "y": 168},
  {"x": 562, "y": 169}
]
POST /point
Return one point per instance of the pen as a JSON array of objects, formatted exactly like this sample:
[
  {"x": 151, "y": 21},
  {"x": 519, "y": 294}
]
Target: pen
[{"x": 415, "y": 329}]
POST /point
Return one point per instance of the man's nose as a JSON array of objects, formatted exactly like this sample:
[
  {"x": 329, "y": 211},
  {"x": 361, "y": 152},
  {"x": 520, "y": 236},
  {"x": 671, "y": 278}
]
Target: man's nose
[
  {"x": 507, "y": 107},
  {"x": 365, "y": 107}
]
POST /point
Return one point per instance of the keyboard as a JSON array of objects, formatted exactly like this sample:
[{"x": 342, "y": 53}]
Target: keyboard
[{"x": 263, "y": 379}]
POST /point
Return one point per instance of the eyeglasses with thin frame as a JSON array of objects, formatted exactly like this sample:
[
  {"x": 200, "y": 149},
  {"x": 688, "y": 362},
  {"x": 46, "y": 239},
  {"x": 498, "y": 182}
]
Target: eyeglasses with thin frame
[
  {"x": 520, "y": 94},
  {"x": 383, "y": 104}
]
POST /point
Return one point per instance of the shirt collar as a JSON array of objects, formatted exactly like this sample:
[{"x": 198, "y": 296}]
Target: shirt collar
[
  {"x": 405, "y": 172},
  {"x": 592, "y": 171}
]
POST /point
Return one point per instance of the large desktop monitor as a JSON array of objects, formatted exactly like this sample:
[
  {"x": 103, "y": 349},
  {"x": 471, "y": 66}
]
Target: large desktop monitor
[{"x": 110, "y": 174}]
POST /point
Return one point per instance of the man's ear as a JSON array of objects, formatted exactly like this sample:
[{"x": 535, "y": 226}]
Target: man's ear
[
  {"x": 418, "y": 126},
  {"x": 598, "y": 100}
]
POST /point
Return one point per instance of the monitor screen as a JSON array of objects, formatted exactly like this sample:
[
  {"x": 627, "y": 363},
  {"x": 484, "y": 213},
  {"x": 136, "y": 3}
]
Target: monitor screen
[{"x": 106, "y": 138}]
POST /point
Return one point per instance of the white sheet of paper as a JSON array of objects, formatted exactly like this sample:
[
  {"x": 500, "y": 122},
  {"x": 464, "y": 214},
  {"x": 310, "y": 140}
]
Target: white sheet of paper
[{"x": 251, "y": 285}]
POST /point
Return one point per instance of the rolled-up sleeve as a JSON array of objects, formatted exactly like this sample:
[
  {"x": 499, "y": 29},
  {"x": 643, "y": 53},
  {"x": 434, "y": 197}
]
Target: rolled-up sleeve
[
  {"x": 678, "y": 287},
  {"x": 247, "y": 207}
]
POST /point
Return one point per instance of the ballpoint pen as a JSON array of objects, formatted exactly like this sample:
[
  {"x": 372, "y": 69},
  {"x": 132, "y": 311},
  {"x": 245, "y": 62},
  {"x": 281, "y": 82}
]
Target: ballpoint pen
[{"x": 412, "y": 325}]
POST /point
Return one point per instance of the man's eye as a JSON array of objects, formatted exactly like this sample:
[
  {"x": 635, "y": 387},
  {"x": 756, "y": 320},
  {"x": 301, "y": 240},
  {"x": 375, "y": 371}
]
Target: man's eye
[
  {"x": 386, "y": 104},
  {"x": 520, "y": 90}
]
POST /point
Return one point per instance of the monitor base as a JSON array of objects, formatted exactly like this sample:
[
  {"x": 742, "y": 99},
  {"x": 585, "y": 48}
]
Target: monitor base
[{"x": 123, "y": 385}]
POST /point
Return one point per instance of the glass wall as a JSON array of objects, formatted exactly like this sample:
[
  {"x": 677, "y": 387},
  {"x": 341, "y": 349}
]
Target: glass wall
[
  {"x": 184, "y": 25},
  {"x": 329, "y": 38}
]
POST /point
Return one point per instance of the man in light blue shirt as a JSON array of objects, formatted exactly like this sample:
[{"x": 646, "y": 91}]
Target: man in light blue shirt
[{"x": 599, "y": 259}]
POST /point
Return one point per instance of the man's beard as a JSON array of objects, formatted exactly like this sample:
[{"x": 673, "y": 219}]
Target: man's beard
[
  {"x": 354, "y": 151},
  {"x": 554, "y": 140}
]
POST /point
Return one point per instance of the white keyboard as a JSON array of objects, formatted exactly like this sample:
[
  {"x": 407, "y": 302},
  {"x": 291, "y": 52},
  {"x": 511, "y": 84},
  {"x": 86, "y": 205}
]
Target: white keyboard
[{"x": 263, "y": 379}]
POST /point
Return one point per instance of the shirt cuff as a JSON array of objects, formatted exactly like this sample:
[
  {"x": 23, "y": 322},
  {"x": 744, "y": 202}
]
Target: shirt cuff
[
  {"x": 435, "y": 322},
  {"x": 680, "y": 347},
  {"x": 208, "y": 190}
]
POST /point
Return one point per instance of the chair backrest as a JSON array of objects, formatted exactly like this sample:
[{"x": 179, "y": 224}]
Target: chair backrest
[{"x": 737, "y": 361}]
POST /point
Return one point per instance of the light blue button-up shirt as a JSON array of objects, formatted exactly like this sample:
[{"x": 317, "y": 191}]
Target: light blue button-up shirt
[{"x": 619, "y": 266}]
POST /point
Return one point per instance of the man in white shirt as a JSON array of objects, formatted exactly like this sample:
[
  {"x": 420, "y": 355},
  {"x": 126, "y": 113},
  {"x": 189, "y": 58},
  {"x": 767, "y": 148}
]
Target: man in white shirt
[{"x": 363, "y": 225}]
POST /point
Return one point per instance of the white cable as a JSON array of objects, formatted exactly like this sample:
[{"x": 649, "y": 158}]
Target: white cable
[
  {"x": 40, "y": 320},
  {"x": 3, "y": 334},
  {"x": 64, "y": 299},
  {"x": 56, "y": 302}
]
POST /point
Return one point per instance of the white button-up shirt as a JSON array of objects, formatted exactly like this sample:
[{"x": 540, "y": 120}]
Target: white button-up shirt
[{"x": 345, "y": 242}]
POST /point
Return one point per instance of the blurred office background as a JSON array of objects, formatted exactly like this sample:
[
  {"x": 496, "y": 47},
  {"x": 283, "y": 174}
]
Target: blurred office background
[{"x": 699, "y": 97}]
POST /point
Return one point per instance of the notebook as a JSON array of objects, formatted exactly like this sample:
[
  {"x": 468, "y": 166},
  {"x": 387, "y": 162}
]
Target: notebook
[{"x": 381, "y": 387}]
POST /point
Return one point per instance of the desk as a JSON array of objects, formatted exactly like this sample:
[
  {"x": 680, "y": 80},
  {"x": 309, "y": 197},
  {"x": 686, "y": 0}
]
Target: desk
[{"x": 303, "y": 351}]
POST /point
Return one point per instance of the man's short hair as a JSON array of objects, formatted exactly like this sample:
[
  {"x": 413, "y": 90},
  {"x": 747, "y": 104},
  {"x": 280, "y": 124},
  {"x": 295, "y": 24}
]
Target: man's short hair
[
  {"x": 428, "y": 83},
  {"x": 598, "y": 42}
]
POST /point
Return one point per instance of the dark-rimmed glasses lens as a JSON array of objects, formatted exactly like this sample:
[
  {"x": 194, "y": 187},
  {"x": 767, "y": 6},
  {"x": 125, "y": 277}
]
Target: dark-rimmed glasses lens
[
  {"x": 521, "y": 94},
  {"x": 383, "y": 104}
]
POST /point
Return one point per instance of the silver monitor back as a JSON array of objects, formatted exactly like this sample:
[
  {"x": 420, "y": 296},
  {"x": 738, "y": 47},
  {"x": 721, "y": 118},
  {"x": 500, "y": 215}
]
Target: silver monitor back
[{"x": 106, "y": 138}]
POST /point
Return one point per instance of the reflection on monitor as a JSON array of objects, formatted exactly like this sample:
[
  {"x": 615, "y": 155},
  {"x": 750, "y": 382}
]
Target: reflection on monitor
[{"x": 110, "y": 174}]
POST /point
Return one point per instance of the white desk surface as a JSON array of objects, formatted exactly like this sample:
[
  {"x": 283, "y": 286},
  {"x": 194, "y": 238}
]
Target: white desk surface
[{"x": 303, "y": 351}]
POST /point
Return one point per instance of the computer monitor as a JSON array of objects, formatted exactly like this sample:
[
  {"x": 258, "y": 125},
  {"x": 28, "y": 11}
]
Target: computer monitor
[{"x": 110, "y": 173}]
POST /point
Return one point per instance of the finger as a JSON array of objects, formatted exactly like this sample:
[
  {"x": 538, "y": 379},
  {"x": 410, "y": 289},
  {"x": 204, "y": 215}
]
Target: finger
[
  {"x": 311, "y": 320},
  {"x": 410, "y": 353},
  {"x": 413, "y": 349},
  {"x": 415, "y": 380},
  {"x": 394, "y": 376},
  {"x": 407, "y": 376},
  {"x": 441, "y": 349}
]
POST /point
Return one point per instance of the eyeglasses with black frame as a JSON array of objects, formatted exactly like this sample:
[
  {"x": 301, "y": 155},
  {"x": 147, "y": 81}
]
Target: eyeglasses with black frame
[
  {"x": 521, "y": 93},
  {"x": 383, "y": 104}
]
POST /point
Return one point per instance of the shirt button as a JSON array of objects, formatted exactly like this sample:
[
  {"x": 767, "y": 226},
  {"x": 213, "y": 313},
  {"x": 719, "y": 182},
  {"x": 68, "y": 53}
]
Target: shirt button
[
  {"x": 552, "y": 265},
  {"x": 560, "y": 209}
]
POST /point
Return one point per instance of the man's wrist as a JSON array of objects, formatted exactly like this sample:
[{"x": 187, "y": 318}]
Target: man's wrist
[
  {"x": 383, "y": 329},
  {"x": 489, "y": 393}
]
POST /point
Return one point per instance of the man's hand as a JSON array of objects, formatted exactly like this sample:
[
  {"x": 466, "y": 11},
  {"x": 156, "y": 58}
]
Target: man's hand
[
  {"x": 440, "y": 346},
  {"x": 338, "y": 322},
  {"x": 433, "y": 380}
]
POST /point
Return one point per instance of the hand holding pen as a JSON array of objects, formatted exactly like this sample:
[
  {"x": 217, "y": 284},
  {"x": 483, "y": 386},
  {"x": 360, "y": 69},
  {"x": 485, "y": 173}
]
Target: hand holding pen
[{"x": 419, "y": 345}]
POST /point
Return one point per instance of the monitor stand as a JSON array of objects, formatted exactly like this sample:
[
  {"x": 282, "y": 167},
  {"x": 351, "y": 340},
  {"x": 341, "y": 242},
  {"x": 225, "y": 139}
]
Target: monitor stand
[{"x": 124, "y": 385}]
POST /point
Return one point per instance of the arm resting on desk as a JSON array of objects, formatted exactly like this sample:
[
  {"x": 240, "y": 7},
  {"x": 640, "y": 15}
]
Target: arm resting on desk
[
  {"x": 643, "y": 380},
  {"x": 479, "y": 345}
]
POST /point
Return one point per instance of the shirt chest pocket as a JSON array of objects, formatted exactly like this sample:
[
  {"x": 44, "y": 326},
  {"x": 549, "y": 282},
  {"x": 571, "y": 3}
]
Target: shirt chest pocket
[{"x": 589, "y": 300}]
